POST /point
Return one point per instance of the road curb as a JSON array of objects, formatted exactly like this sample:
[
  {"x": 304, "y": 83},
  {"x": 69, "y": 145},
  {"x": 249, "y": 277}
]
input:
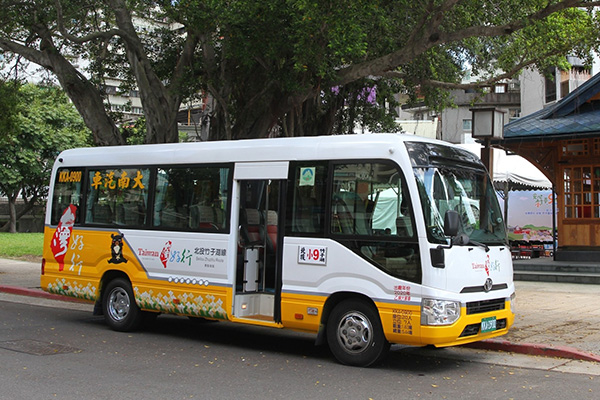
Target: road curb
[
  {"x": 39, "y": 294},
  {"x": 534, "y": 349}
]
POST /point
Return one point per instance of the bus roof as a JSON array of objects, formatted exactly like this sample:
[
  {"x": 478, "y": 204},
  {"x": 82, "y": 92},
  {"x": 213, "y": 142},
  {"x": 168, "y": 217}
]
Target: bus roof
[{"x": 250, "y": 150}]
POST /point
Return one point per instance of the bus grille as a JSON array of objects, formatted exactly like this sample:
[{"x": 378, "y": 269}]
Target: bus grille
[
  {"x": 478, "y": 307},
  {"x": 473, "y": 329}
]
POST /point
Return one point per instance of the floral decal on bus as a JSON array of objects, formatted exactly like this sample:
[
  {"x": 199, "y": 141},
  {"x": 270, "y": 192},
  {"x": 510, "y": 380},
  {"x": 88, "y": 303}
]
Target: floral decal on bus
[
  {"x": 208, "y": 306},
  {"x": 66, "y": 287}
]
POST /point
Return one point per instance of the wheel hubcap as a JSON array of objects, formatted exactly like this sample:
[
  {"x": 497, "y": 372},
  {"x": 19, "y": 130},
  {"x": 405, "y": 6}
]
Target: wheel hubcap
[
  {"x": 118, "y": 304},
  {"x": 355, "y": 332}
]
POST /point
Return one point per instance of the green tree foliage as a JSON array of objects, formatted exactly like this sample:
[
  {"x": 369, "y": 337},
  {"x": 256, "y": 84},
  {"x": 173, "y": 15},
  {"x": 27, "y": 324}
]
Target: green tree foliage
[
  {"x": 8, "y": 104},
  {"x": 288, "y": 67},
  {"x": 134, "y": 132},
  {"x": 46, "y": 123}
]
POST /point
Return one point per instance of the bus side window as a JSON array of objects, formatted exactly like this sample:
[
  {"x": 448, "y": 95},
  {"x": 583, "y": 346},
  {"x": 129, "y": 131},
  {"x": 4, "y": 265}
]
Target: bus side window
[
  {"x": 192, "y": 199},
  {"x": 371, "y": 199},
  {"x": 67, "y": 191},
  {"x": 117, "y": 196},
  {"x": 306, "y": 202}
]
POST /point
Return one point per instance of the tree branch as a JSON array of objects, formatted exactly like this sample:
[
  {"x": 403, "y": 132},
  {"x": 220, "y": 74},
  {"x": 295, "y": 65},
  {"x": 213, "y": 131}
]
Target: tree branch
[
  {"x": 106, "y": 35},
  {"x": 389, "y": 62},
  {"x": 186, "y": 58},
  {"x": 513, "y": 26},
  {"x": 471, "y": 85},
  {"x": 29, "y": 53}
]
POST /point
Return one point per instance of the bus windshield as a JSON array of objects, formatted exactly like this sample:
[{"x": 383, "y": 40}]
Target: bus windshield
[{"x": 450, "y": 183}]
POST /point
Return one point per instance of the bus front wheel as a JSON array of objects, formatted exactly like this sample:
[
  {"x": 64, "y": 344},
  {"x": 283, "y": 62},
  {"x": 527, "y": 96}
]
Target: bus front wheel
[
  {"x": 120, "y": 310},
  {"x": 355, "y": 335}
]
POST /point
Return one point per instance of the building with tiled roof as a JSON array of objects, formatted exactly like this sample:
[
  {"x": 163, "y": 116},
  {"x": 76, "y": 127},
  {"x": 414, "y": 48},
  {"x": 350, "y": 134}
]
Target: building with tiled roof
[{"x": 563, "y": 141}]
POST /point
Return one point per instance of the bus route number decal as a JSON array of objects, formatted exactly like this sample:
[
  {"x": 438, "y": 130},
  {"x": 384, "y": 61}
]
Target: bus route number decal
[{"x": 312, "y": 255}]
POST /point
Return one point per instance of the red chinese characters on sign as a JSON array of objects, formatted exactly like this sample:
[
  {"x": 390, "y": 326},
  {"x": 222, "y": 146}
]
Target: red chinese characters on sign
[
  {"x": 312, "y": 255},
  {"x": 402, "y": 293},
  {"x": 60, "y": 240}
]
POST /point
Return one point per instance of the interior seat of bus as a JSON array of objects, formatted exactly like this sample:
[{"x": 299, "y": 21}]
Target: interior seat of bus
[
  {"x": 349, "y": 214},
  {"x": 172, "y": 218},
  {"x": 130, "y": 213},
  {"x": 202, "y": 217},
  {"x": 258, "y": 240},
  {"x": 250, "y": 227},
  {"x": 270, "y": 235},
  {"x": 102, "y": 213}
]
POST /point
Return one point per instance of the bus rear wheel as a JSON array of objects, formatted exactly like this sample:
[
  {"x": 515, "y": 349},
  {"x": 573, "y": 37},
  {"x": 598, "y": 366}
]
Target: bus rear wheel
[
  {"x": 118, "y": 305},
  {"x": 355, "y": 335}
]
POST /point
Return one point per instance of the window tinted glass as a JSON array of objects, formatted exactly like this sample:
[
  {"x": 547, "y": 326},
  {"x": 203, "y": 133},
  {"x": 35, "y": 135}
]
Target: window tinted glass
[
  {"x": 67, "y": 191},
  {"x": 467, "y": 191},
  {"x": 370, "y": 199},
  {"x": 306, "y": 203},
  {"x": 117, "y": 196},
  {"x": 192, "y": 199},
  {"x": 371, "y": 214}
]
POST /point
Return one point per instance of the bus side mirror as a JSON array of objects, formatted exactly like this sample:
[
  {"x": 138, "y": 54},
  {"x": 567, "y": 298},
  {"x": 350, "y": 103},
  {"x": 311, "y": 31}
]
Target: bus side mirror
[
  {"x": 451, "y": 227},
  {"x": 451, "y": 223}
]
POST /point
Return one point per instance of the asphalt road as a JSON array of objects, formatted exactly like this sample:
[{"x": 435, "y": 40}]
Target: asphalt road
[{"x": 60, "y": 351}]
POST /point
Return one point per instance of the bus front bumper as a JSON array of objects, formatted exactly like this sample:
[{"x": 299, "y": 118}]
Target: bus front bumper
[{"x": 469, "y": 328}]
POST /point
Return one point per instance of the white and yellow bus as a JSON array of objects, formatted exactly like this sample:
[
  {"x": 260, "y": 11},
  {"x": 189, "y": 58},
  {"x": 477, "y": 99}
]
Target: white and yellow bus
[{"x": 364, "y": 240}]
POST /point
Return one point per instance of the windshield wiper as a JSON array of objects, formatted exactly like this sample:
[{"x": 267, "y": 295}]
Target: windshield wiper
[
  {"x": 464, "y": 240},
  {"x": 485, "y": 246}
]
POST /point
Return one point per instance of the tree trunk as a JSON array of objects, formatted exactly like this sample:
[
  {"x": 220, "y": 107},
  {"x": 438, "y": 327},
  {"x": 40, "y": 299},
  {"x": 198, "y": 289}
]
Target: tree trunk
[
  {"x": 12, "y": 213},
  {"x": 161, "y": 115},
  {"x": 84, "y": 95},
  {"x": 29, "y": 205},
  {"x": 161, "y": 104},
  {"x": 88, "y": 101},
  {"x": 86, "y": 98}
]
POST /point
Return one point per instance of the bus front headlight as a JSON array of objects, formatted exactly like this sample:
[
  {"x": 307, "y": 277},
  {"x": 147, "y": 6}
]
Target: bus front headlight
[
  {"x": 439, "y": 312},
  {"x": 513, "y": 304}
]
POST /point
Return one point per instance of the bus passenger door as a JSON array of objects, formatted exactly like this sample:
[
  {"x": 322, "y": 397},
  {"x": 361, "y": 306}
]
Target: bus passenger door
[{"x": 260, "y": 240}]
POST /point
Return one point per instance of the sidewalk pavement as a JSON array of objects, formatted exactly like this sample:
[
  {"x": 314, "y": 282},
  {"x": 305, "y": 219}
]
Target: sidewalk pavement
[{"x": 553, "y": 319}]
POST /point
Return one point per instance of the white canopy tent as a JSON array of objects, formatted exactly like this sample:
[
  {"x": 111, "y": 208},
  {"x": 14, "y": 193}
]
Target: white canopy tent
[{"x": 513, "y": 170}]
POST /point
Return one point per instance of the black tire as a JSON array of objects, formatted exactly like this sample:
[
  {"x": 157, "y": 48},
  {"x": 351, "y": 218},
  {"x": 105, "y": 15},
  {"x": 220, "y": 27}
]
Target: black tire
[
  {"x": 355, "y": 335},
  {"x": 121, "y": 312}
]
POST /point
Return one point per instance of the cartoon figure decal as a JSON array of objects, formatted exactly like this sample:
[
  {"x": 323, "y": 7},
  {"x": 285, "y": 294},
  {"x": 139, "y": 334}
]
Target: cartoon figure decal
[
  {"x": 60, "y": 240},
  {"x": 116, "y": 250},
  {"x": 165, "y": 253}
]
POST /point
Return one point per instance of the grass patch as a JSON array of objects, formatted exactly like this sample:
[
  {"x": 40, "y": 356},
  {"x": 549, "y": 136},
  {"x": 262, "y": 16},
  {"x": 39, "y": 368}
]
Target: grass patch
[{"x": 21, "y": 245}]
